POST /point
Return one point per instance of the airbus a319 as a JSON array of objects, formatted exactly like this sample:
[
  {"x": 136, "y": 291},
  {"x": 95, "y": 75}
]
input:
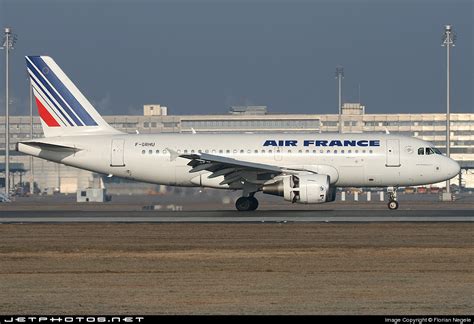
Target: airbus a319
[{"x": 301, "y": 168}]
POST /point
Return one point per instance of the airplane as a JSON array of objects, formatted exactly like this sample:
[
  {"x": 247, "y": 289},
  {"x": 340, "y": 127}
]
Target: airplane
[{"x": 302, "y": 168}]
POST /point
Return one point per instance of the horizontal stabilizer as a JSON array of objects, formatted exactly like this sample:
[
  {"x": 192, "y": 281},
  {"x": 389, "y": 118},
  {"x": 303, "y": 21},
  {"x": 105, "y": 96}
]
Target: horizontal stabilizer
[{"x": 51, "y": 147}]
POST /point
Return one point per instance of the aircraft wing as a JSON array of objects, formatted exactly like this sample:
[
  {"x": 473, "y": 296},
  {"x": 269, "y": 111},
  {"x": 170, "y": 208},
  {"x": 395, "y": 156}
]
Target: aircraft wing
[{"x": 233, "y": 170}]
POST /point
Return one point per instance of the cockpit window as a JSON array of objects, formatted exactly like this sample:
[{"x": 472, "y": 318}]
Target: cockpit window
[
  {"x": 428, "y": 151},
  {"x": 437, "y": 151}
]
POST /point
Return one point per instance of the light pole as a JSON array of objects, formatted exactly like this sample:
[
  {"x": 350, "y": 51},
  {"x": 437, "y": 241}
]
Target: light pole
[
  {"x": 340, "y": 76},
  {"x": 448, "y": 42},
  {"x": 9, "y": 41},
  {"x": 32, "y": 172}
]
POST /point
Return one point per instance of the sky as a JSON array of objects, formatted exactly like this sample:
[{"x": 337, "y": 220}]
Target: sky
[{"x": 201, "y": 57}]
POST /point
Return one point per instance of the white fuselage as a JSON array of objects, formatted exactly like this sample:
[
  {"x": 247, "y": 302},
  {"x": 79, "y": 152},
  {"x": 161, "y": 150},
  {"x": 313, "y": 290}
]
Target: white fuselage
[{"x": 349, "y": 159}]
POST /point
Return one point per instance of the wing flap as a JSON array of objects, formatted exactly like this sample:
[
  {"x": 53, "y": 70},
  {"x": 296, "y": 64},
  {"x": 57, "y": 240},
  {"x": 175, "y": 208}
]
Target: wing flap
[
  {"x": 233, "y": 170},
  {"x": 205, "y": 157}
]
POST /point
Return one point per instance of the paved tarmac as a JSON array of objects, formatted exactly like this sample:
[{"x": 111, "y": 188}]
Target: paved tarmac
[
  {"x": 213, "y": 216},
  {"x": 176, "y": 209}
]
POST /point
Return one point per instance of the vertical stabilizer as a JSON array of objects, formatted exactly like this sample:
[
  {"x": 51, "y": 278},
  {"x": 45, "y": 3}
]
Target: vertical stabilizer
[{"x": 63, "y": 109}]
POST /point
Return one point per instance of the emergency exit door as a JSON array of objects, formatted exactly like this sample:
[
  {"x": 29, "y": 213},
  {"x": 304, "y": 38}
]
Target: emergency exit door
[
  {"x": 117, "y": 154},
  {"x": 393, "y": 153}
]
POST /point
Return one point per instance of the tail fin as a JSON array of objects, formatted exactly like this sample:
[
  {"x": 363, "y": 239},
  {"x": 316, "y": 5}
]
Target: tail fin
[{"x": 63, "y": 109}]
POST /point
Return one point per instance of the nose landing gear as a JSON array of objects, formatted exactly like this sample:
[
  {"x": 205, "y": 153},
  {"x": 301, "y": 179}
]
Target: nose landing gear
[
  {"x": 393, "y": 204},
  {"x": 392, "y": 200}
]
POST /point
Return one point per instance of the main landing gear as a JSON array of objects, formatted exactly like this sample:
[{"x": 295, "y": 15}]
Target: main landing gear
[
  {"x": 392, "y": 198},
  {"x": 246, "y": 203}
]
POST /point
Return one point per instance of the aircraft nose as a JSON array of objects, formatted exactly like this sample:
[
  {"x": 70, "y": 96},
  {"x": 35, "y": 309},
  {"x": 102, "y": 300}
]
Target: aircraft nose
[{"x": 454, "y": 168}]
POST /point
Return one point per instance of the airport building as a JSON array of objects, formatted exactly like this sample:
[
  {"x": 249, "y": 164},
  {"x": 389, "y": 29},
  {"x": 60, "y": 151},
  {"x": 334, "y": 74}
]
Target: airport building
[{"x": 431, "y": 127}]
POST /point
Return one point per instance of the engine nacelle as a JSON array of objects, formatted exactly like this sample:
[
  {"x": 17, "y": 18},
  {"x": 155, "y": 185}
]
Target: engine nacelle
[{"x": 303, "y": 189}]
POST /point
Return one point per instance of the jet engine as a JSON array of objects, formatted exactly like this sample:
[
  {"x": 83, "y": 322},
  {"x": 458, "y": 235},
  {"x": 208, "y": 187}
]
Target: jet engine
[{"x": 303, "y": 188}]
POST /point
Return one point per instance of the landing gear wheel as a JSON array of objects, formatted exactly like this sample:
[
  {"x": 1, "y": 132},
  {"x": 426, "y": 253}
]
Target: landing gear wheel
[
  {"x": 246, "y": 204},
  {"x": 243, "y": 204},
  {"x": 253, "y": 203},
  {"x": 393, "y": 204}
]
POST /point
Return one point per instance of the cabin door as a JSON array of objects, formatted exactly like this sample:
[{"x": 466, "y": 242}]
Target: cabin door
[
  {"x": 117, "y": 153},
  {"x": 393, "y": 153}
]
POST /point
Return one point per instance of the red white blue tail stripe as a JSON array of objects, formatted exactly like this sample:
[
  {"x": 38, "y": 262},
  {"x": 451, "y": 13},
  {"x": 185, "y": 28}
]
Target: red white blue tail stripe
[{"x": 56, "y": 96}]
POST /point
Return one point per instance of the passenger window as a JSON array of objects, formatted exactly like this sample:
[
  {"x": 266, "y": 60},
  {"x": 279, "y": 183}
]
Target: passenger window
[
  {"x": 143, "y": 151},
  {"x": 421, "y": 151}
]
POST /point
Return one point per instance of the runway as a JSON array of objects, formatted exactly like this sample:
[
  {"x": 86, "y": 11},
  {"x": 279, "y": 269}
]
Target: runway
[{"x": 212, "y": 216}]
